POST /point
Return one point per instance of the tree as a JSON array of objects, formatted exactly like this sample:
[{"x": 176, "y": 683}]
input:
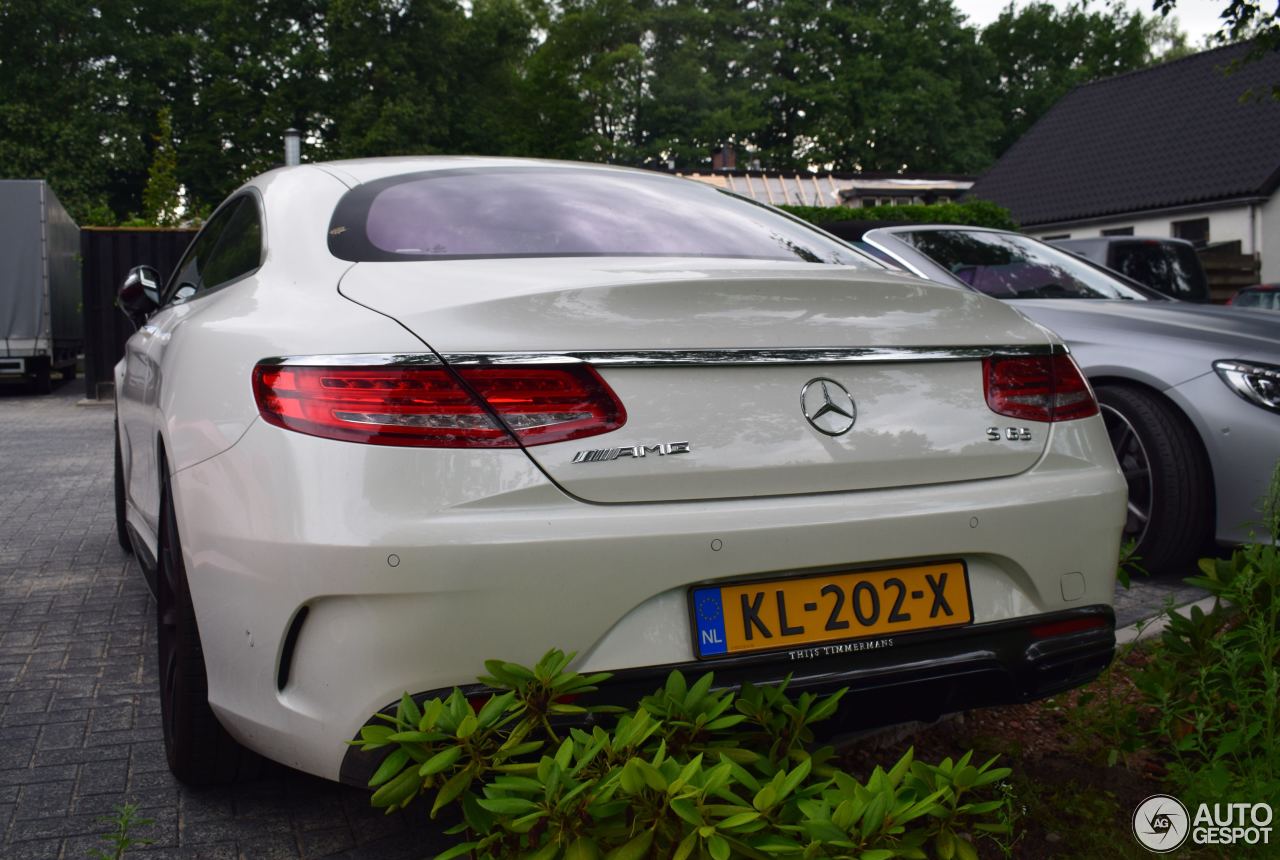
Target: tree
[
  {"x": 1041, "y": 53},
  {"x": 160, "y": 200},
  {"x": 1243, "y": 20},
  {"x": 700, "y": 91},
  {"x": 64, "y": 116},
  {"x": 585, "y": 83},
  {"x": 916, "y": 81}
]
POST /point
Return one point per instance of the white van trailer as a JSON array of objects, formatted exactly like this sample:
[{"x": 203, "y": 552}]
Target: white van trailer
[{"x": 41, "y": 325}]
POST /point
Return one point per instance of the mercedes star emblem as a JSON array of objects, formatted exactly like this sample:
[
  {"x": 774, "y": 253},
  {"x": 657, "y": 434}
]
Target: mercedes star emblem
[{"x": 828, "y": 406}]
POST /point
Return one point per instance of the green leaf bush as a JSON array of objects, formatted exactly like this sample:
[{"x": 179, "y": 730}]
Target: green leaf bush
[
  {"x": 691, "y": 772},
  {"x": 1213, "y": 683}
]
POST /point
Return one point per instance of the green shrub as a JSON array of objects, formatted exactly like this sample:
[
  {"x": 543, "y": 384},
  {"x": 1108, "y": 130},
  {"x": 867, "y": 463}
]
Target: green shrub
[
  {"x": 975, "y": 213},
  {"x": 690, "y": 772},
  {"x": 1214, "y": 682},
  {"x": 121, "y": 838}
]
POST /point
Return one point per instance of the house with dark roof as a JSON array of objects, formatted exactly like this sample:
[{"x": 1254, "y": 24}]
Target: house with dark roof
[
  {"x": 1176, "y": 150},
  {"x": 824, "y": 188}
]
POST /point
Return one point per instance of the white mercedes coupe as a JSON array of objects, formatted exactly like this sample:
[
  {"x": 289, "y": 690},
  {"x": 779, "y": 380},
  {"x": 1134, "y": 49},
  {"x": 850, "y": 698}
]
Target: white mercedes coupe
[{"x": 392, "y": 417}]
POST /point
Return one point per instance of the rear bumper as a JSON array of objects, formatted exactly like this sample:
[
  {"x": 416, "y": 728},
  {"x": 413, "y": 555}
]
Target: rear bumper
[
  {"x": 410, "y": 578},
  {"x": 924, "y": 676}
]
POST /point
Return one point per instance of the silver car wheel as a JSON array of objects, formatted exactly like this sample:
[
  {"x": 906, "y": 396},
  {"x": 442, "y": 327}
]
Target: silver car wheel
[{"x": 1136, "y": 466}]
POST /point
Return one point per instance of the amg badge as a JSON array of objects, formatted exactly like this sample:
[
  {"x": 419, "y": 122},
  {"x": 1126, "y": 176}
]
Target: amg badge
[{"x": 603, "y": 454}]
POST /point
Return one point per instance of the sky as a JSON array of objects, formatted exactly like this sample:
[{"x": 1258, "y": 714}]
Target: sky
[{"x": 1196, "y": 18}]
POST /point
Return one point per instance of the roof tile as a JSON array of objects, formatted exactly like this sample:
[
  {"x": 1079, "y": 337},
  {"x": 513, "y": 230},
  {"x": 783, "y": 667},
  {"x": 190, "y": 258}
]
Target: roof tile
[{"x": 1173, "y": 134}]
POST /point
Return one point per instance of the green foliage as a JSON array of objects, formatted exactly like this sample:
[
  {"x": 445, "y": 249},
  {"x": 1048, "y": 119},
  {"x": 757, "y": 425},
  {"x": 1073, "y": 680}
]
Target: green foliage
[
  {"x": 121, "y": 839},
  {"x": 1007, "y": 834},
  {"x": 1242, "y": 21},
  {"x": 1042, "y": 53},
  {"x": 976, "y": 213},
  {"x": 1130, "y": 563},
  {"x": 160, "y": 200},
  {"x": 691, "y": 772},
  {"x": 1214, "y": 683},
  {"x": 893, "y": 85}
]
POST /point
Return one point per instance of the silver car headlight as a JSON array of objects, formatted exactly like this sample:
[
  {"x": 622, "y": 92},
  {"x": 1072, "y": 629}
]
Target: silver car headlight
[{"x": 1257, "y": 383}]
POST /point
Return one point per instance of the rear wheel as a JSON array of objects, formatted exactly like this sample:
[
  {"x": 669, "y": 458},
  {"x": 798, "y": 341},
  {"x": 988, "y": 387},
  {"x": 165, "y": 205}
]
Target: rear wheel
[
  {"x": 122, "y": 530},
  {"x": 42, "y": 380},
  {"x": 198, "y": 748},
  {"x": 1170, "y": 488}
]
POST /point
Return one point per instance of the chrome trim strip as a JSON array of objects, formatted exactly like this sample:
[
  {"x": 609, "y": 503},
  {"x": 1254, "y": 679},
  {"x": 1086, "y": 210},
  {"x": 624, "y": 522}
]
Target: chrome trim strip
[
  {"x": 359, "y": 359},
  {"x": 738, "y": 357},
  {"x": 673, "y": 357}
]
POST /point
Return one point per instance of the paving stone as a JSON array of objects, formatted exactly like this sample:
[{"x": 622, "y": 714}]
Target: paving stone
[
  {"x": 44, "y": 800},
  {"x": 104, "y": 777},
  {"x": 36, "y": 775},
  {"x": 119, "y": 716},
  {"x": 61, "y": 736},
  {"x": 326, "y": 843},
  {"x": 43, "y": 849},
  {"x": 80, "y": 730}
]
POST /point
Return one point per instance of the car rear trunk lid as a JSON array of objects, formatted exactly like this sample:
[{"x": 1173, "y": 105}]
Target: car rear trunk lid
[{"x": 722, "y": 365}]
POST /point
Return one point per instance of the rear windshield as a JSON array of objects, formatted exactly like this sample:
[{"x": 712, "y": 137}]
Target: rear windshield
[
  {"x": 1170, "y": 267},
  {"x": 565, "y": 212},
  {"x": 1009, "y": 266}
]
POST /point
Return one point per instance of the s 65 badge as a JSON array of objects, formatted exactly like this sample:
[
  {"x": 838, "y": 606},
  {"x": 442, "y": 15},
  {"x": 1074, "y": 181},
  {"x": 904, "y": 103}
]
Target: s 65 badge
[{"x": 1009, "y": 434}]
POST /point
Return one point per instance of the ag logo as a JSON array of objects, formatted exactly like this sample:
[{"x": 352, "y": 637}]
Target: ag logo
[{"x": 1161, "y": 823}]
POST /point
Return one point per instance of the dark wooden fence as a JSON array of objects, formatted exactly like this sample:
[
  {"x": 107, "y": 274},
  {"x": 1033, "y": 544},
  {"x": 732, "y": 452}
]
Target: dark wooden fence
[
  {"x": 107, "y": 254},
  {"x": 1228, "y": 270}
]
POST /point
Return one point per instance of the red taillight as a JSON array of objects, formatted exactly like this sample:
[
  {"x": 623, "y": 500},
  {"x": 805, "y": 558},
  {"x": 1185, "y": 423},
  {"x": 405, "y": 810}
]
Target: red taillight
[
  {"x": 427, "y": 407},
  {"x": 1037, "y": 388},
  {"x": 1066, "y": 627}
]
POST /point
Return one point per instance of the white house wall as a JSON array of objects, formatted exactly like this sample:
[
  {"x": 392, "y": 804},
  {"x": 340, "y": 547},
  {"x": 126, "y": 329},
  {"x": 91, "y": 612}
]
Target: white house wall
[
  {"x": 1225, "y": 225},
  {"x": 1269, "y": 239}
]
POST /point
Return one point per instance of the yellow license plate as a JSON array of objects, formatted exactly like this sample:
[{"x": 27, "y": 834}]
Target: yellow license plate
[{"x": 830, "y": 607}]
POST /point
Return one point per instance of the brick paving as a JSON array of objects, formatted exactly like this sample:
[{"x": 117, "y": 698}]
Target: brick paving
[{"x": 79, "y": 714}]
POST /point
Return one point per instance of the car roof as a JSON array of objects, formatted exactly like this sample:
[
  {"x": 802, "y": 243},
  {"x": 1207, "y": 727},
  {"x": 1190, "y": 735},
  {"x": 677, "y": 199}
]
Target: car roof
[
  {"x": 372, "y": 169},
  {"x": 906, "y": 226}
]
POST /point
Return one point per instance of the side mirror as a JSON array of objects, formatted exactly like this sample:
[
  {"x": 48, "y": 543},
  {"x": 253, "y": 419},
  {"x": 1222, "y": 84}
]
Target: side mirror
[{"x": 139, "y": 293}]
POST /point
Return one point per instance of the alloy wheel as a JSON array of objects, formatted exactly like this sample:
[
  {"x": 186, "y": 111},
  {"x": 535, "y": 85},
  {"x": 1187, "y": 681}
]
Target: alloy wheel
[{"x": 1136, "y": 466}]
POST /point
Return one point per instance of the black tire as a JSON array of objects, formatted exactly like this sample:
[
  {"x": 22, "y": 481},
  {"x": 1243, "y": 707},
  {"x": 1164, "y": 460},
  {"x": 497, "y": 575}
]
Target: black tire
[
  {"x": 42, "y": 381},
  {"x": 122, "y": 531},
  {"x": 1171, "y": 502},
  {"x": 198, "y": 748}
]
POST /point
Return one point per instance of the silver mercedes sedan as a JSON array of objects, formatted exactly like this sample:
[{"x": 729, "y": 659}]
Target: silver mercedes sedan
[{"x": 1190, "y": 393}]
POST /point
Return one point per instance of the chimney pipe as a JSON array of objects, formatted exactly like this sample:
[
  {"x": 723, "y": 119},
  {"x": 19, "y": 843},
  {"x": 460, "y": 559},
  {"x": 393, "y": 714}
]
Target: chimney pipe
[
  {"x": 292, "y": 147},
  {"x": 724, "y": 158}
]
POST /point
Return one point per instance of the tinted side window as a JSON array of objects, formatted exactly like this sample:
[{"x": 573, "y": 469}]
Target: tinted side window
[
  {"x": 239, "y": 248},
  {"x": 1009, "y": 266},
  {"x": 187, "y": 277},
  {"x": 1172, "y": 269},
  {"x": 230, "y": 245}
]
